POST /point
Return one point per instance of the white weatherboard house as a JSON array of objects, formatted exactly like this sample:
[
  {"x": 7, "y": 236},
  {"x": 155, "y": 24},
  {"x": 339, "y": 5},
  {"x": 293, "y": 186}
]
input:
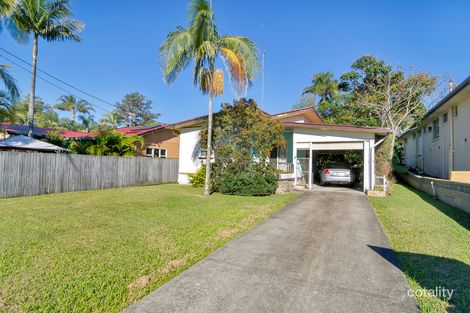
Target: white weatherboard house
[
  {"x": 307, "y": 137},
  {"x": 439, "y": 145}
]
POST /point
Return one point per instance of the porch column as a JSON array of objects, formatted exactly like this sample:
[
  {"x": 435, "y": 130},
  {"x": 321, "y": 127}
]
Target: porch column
[
  {"x": 310, "y": 165},
  {"x": 294, "y": 161},
  {"x": 372, "y": 164},
  {"x": 367, "y": 165}
]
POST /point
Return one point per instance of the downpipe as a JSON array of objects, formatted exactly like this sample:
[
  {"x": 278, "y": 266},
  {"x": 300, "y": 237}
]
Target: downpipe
[{"x": 434, "y": 194}]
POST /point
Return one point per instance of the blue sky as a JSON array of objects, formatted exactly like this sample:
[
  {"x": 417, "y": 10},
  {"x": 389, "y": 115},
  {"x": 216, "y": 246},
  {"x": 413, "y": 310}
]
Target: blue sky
[{"x": 118, "y": 53}]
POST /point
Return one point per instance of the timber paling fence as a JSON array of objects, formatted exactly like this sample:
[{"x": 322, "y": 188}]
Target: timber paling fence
[{"x": 27, "y": 174}]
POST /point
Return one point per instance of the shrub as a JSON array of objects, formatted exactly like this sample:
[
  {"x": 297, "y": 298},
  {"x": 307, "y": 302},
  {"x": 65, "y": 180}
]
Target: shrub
[
  {"x": 261, "y": 182},
  {"x": 197, "y": 179}
]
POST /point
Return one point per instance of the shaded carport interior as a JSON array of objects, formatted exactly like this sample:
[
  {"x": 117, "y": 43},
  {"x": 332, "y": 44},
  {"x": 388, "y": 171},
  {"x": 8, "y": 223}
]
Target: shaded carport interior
[{"x": 309, "y": 155}]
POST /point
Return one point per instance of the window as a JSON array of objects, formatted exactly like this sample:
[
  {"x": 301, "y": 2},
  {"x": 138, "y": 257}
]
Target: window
[
  {"x": 156, "y": 153},
  {"x": 445, "y": 117},
  {"x": 435, "y": 129}
]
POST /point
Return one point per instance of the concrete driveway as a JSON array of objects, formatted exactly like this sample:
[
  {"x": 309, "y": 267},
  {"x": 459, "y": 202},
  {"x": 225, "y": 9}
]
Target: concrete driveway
[{"x": 324, "y": 252}]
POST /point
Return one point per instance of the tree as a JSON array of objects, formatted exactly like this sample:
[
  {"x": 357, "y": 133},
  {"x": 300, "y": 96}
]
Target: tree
[
  {"x": 243, "y": 137},
  {"x": 47, "y": 19},
  {"x": 330, "y": 102},
  {"x": 112, "y": 143},
  {"x": 9, "y": 95},
  {"x": 396, "y": 99},
  {"x": 73, "y": 105},
  {"x": 202, "y": 44},
  {"x": 6, "y": 8},
  {"x": 86, "y": 121},
  {"x": 134, "y": 110},
  {"x": 45, "y": 114},
  {"x": 110, "y": 119}
]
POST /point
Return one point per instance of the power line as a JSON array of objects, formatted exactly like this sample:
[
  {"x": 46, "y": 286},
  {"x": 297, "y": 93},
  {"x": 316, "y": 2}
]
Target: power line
[
  {"x": 51, "y": 83},
  {"x": 58, "y": 79}
]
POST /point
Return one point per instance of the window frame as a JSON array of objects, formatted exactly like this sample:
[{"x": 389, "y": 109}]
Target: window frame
[{"x": 156, "y": 153}]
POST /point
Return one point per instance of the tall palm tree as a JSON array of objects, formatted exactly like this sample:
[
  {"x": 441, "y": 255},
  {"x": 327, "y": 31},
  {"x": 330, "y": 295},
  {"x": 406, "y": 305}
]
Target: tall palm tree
[
  {"x": 73, "y": 105},
  {"x": 50, "y": 20},
  {"x": 323, "y": 85},
  {"x": 202, "y": 44}
]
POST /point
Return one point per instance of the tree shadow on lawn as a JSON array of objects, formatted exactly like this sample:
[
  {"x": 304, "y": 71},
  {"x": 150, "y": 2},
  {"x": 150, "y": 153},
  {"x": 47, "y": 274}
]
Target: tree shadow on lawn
[
  {"x": 454, "y": 213},
  {"x": 434, "y": 273}
]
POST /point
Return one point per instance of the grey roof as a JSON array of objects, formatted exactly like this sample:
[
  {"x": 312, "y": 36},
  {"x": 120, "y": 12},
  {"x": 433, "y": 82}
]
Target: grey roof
[
  {"x": 28, "y": 143},
  {"x": 451, "y": 94}
]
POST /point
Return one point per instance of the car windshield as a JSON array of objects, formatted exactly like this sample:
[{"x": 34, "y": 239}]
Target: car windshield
[{"x": 336, "y": 165}]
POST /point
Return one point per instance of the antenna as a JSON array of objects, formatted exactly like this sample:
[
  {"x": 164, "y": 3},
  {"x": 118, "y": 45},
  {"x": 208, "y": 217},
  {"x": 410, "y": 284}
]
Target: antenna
[{"x": 262, "y": 80}]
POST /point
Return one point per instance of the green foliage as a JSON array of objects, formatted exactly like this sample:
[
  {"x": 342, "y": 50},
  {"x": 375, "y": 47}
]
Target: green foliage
[
  {"x": 383, "y": 165},
  {"x": 74, "y": 106},
  {"x": 262, "y": 182},
  {"x": 202, "y": 44},
  {"x": 11, "y": 90},
  {"x": 197, "y": 179},
  {"x": 44, "y": 114},
  {"x": 243, "y": 137},
  {"x": 108, "y": 143},
  {"x": 112, "y": 143},
  {"x": 49, "y": 19},
  {"x": 134, "y": 110},
  {"x": 56, "y": 139}
]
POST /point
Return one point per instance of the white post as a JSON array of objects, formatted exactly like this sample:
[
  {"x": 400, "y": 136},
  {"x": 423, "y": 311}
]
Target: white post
[
  {"x": 294, "y": 160},
  {"x": 372, "y": 164},
  {"x": 310, "y": 165}
]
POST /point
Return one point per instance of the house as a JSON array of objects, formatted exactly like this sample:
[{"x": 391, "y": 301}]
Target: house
[
  {"x": 307, "y": 137},
  {"x": 22, "y": 143},
  {"x": 160, "y": 141},
  {"x": 8, "y": 129},
  {"x": 439, "y": 146}
]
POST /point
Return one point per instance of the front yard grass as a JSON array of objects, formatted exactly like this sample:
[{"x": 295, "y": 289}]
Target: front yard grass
[
  {"x": 99, "y": 251},
  {"x": 432, "y": 243}
]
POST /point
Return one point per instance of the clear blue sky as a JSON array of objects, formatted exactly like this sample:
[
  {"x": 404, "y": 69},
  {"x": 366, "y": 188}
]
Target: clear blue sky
[{"x": 118, "y": 53}]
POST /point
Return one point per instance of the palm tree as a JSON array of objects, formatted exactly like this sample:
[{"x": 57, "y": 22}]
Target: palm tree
[
  {"x": 201, "y": 43},
  {"x": 6, "y": 7},
  {"x": 73, "y": 105},
  {"x": 323, "y": 85},
  {"x": 47, "y": 19},
  {"x": 110, "y": 119},
  {"x": 9, "y": 83},
  {"x": 87, "y": 121}
]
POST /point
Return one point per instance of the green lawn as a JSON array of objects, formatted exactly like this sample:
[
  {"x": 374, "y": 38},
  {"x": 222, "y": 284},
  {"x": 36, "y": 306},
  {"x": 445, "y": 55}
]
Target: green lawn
[
  {"x": 432, "y": 243},
  {"x": 98, "y": 251}
]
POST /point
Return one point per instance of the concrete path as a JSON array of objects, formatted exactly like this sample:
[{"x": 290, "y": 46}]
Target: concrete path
[{"x": 324, "y": 252}]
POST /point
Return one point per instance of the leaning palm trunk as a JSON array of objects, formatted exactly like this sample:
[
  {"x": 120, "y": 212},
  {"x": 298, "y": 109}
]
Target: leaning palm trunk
[
  {"x": 209, "y": 147},
  {"x": 32, "y": 95}
]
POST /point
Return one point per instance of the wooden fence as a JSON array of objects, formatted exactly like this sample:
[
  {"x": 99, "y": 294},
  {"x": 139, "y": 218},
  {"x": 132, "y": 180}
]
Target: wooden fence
[{"x": 27, "y": 174}]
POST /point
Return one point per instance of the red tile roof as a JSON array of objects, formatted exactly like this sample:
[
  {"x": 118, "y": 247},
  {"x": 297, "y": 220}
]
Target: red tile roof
[
  {"x": 14, "y": 129},
  {"x": 140, "y": 130}
]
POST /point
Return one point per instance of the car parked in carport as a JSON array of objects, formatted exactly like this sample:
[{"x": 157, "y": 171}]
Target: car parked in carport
[{"x": 337, "y": 173}]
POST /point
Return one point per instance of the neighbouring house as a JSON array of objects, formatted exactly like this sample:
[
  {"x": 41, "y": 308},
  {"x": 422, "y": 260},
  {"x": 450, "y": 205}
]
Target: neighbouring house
[
  {"x": 160, "y": 141},
  {"x": 439, "y": 145},
  {"x": 8, "y": 129},
  {"x": 307, "y": 137},
  {"x": 22, "y": 143}
]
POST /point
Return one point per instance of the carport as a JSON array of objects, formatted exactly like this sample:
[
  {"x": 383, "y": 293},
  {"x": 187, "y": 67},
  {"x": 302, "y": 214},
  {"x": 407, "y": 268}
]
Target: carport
[{"x": 309, "y": 139}]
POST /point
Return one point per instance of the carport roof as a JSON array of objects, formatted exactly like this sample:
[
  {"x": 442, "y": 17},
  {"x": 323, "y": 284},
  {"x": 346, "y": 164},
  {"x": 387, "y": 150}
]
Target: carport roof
[{"x": 350, "y": 128}]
